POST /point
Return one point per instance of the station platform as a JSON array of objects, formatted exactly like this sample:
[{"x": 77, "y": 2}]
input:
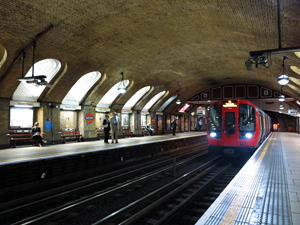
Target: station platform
[
  {"x": 267, "y": 189},
  {"x": 30, "y": 153}
]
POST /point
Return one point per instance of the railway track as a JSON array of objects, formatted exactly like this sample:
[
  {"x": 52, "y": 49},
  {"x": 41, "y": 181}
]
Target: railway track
[
  {"x": 184, "y": 194},
  {"x": 55, "y": 203},
  {"x": 149, "y": 193}
]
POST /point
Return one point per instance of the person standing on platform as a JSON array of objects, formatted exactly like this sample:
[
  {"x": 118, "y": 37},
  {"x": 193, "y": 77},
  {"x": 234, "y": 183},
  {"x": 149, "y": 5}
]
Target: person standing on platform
[
  {"x": 114, "y": 128},
  {"x": 200, "y": 125},
  {"x": 173, "y": 125},
  {"x": 106, "y": 125},
  {"x": 36, "y": 135}
]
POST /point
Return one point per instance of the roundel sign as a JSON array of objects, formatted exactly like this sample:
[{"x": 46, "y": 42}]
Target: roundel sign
[
  {"x": 153, "y": 120},
  {"x": 89, "y": 117}
]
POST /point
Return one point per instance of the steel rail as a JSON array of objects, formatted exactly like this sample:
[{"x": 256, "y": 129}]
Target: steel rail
[
  {"x": 60, "y": 211},
  {"x": 118, "y": 214}
]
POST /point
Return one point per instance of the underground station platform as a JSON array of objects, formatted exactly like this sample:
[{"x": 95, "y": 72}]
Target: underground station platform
[
  {"x": 24, "y": 166},
  {"x": 266, "y": 191}
]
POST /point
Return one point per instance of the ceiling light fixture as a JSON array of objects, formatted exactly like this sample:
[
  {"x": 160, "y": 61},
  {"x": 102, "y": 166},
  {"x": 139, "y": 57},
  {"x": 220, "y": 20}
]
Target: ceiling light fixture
[
  {"x": 281, "y": 107},
  {"x": 283, "y": 78},
  {"x": 37, "y": 80},
  {"x": 122, "y": 86},
  {"x": 281, "y": 98},
  {"x": 178, "y": 101}
]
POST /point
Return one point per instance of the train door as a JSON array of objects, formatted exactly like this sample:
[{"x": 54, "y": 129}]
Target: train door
[
  {"x": 230, "y": 123},
  {"x": 260, "y": 127}
]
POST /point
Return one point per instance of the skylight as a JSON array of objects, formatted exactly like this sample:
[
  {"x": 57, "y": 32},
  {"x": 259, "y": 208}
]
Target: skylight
[
  {"x": 31, "y": 92},
  {"x": 111, "y": 95},
  {"x": 295, "y": 69},
  {"x": 133, "y": 100},
  {"x": 184, "y": 107},
  {"x": 162, "y": 108},
  {"x": 153, "y": 100},
  {"x": 80, "y": 88},
  {"x": 3, "y": 55}
]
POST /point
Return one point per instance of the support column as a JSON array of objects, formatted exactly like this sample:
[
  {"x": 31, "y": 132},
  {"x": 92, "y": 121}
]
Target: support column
[
  {"x": 48, "y": 116},
  {"x": 153, "y": 118},
  {"x": 86, "y": 122},
  {"x": 4, "y": 122},
  {"x": 136, "y": 118}
]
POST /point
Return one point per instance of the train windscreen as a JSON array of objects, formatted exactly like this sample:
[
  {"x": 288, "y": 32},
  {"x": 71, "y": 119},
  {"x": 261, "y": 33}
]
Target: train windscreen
[
  {"x": 215, "y": 118},
  {"x": 246, "y": 121}
]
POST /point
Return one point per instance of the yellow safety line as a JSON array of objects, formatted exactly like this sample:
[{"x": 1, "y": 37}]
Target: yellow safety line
[{"x": 238, "y": 201}]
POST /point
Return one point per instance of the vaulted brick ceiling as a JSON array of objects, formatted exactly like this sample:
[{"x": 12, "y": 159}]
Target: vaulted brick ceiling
[{"x": 183, "y": 45}]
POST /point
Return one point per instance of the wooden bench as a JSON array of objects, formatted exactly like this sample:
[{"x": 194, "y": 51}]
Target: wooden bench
[
  {"x": 70, "y": 133},
  {"x": 100, "y": 133},
  {"x": 127, "y": 132},
  {"x": 20, "y": 135}
]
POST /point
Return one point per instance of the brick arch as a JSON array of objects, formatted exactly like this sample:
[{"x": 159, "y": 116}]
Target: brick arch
[{"x": 242, "y": 91}]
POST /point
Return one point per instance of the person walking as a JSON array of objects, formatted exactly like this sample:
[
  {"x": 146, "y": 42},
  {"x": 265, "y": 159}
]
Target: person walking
[
  {"x": 106, "y": 125},
  {"x": 173, "y": 125},
  {"x": 114, "y": 128}
]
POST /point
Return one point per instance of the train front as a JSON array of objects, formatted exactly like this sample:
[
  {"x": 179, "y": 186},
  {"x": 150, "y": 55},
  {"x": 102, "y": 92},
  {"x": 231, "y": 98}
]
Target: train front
[{"x": 232, "y": 128}]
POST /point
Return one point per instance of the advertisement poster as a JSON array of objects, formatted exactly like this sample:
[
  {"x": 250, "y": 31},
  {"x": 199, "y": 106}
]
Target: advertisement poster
[
  {"x": 125, "y": 119},
  {"x": 168, "y": 122},
  {"x": 21, "y": 117},
  {"x": 48, "y": 125},
  {"x": 159, "y": 122}
]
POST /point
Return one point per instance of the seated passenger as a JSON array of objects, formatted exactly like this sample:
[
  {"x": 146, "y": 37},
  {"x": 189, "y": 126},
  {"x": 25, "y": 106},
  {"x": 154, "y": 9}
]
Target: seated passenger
[
  {"x": 148, "y": 129},
  {"x": 36, "y": 135}
]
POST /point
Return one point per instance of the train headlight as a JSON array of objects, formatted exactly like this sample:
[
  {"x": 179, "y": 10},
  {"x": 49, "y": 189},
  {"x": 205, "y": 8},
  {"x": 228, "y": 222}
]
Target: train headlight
[
  {"x": 213, "y": 134},
  {"x": 248, "y": 135}
]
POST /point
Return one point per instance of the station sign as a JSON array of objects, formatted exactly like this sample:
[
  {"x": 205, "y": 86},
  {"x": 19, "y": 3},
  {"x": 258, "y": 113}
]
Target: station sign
[
  {"x": 293, "y": 112},
  {"x": 70, "y": 107},
  {"x": 153, "y": 120},
  {"x": 125, "y": 111},
  {"x": 98, "y": 109},
  {"x": 89, "y": 117},
  {"x": 230, "y": 104},
  {"x": 24, "y": 104},
  {"x": 200, "y": 111}
]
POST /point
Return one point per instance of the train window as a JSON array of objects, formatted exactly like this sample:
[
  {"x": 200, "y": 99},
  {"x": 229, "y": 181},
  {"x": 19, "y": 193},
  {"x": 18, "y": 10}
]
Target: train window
[
  {"x": 215, "y": 118},
  {"x": 246, "y": 118},
  {"x": 229, "y": 123}
]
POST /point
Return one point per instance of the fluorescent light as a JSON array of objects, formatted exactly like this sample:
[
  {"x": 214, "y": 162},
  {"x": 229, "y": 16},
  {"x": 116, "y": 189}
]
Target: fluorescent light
[{"x": 23, "y": 106}]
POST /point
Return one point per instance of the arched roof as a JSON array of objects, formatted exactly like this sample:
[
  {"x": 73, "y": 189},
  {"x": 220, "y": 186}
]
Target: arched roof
[{"x": 183, "y": 45}]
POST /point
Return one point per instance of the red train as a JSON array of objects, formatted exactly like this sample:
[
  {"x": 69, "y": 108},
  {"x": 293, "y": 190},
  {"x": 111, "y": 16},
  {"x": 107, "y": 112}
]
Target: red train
[{"x": 236, "y": 127}]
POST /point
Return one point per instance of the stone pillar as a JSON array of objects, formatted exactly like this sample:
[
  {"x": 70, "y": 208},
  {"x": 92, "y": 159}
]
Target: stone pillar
[
  {"x": 48, "y": 116},
  {"x": 132, "y": 122},
  {"x": 136, "y": 118},
  {"x": 153, "y": 125},
  {"x": 4, "y": 122},
  {"x": 86, "y": 122}
]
